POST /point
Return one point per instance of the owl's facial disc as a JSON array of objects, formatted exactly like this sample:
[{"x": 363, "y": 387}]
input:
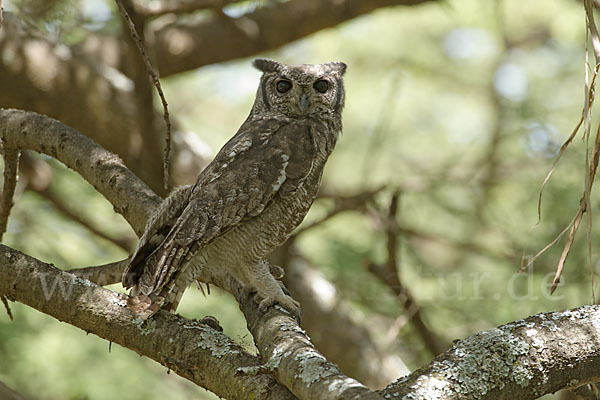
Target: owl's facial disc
[{"x": 301, "y": 90}]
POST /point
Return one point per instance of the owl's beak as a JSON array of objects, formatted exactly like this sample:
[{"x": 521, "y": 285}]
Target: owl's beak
[{"x": 303, "y": 103}]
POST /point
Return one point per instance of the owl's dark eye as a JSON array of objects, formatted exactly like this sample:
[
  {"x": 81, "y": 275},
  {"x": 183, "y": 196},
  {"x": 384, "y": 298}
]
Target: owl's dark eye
[
  {"x": 321, "y": 85},
  {"x": 284, "y": 86}
]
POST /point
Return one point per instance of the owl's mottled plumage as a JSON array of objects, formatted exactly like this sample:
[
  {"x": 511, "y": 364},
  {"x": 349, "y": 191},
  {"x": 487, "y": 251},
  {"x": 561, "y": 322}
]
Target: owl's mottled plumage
[{"x": 250, "y": 198}]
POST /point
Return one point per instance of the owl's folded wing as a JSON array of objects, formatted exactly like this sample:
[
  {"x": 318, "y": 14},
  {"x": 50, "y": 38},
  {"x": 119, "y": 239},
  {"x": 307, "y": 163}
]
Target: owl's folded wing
[{"x": 264, "y": 159}]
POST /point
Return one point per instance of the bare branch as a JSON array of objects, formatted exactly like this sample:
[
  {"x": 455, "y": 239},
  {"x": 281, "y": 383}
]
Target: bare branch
[
  {"x": 333, "y": 327},
  {"x": 522, "y": 360},
  {"x": 289, "y": 354},
  {"x": 11, "y": 167},
  {"x": 183, "y": 47},
  {"x": 589, "y": 12},
  {"x": 413, "y": 310},
  {"x": 201, "y": 354},
  {"x": 390, "y": 276},
  {"x": 102, "y": 169}
]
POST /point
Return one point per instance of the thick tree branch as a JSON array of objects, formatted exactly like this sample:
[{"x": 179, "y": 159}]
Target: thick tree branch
[
  {"x": 198, "y": 353},
  {"x": 522, "y": 360},
  {"x": 333, "y": 326},
  {"x": 104, "y": 170},
  {"x": 182, "y": 47},
  {"x": 289, "y": 354},
  {"x": 157, "y": 8}
]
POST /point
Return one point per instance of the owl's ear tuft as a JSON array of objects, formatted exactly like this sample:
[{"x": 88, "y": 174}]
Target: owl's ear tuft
[
  {"x": 338, "y": 67},
  {"x": 266, "y": 65}
]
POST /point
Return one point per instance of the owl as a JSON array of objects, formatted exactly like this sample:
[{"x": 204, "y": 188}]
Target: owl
[{"x": 249, "y": 199}]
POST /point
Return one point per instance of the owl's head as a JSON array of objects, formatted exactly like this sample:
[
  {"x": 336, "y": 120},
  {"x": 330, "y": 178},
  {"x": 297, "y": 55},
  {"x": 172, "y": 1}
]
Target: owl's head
[{"x": 300, "y": 90}]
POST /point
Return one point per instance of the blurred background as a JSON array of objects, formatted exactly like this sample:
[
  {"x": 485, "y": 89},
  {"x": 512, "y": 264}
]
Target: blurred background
[{"x": 455, "y": 112}]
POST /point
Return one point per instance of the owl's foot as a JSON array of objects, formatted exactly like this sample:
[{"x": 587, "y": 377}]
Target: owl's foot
[
  {"x": 284, "y": 289},
  {"x": 268, "y": 290},
  {"x": 285, "y": 301}
]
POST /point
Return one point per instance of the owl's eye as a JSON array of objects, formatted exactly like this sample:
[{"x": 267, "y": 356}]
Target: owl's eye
[
  {"x": 321, "y": 85},
  {"x": 284, "y": 86}
]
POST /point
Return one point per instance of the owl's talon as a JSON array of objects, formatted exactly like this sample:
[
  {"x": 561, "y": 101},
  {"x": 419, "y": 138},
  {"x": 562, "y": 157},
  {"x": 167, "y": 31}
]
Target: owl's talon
[
  {"x": 285, "y": 301},
  {"x": 284, "y": 289}
]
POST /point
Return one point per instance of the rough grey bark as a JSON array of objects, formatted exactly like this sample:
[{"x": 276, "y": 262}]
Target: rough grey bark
[
  {"x": 288, "y": 353},
  {"x": 522, "y": 360},
  {"x": 102, "y": 169},
  {"x": 189, "y": 348},
  {"x": 332, "y": 324},
  {"x": 107, "y": 173}
]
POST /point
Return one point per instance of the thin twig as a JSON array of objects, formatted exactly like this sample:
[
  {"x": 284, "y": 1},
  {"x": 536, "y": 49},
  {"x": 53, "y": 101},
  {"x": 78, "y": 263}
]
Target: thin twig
[
  {"x": 11, "y": 167},
  {"x": 558, "y": 157},
  {"x": 585, "y": 204},
  {"x": 589, "y": 98},
  {"x": 1, "y": 13},
  {"x": 591, "y": 158},
  {"x": 591, "y": 166},
  {"x": 589, "y": 11},
  {"x": 389, "y": 276},
  {"x": 140, "y": 45},
  {"x": 392, "y": 230},
  {"x": 7, "y": 307}
]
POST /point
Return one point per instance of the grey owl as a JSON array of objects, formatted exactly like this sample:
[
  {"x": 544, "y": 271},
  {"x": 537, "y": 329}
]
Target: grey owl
[{"x": 249, "y": 199}]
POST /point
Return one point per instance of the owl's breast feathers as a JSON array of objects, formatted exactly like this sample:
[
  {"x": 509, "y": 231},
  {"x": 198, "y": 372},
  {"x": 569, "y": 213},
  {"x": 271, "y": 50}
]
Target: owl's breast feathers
[{"x": 265, "y": 162}]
